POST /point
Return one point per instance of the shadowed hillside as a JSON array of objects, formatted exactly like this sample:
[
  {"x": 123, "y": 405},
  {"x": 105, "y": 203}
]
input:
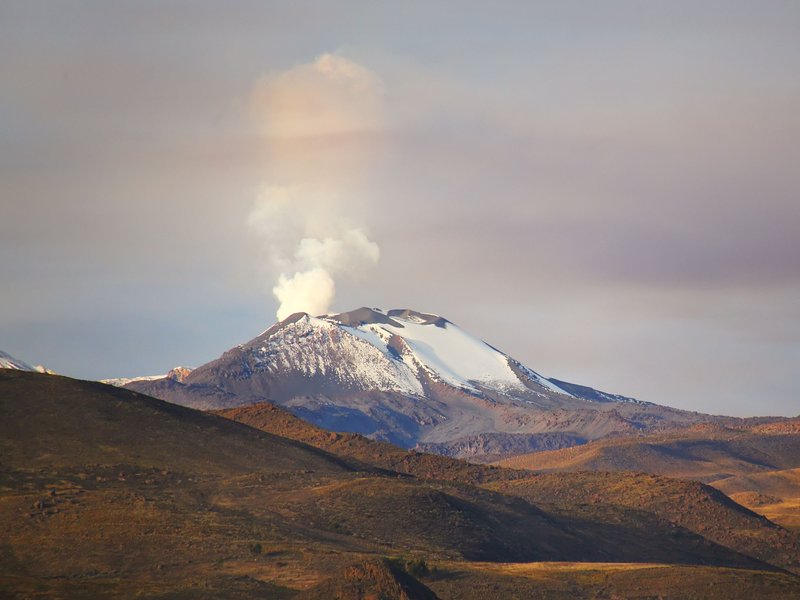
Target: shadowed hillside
[
  {"x": 65, "y": 422},
  {"x": 108, "y": 493},
  {"x": 774, "y": 494},
  {"x": 372, "y": 579},
  {"x": 703, "y": 453},
  {"x": 619, "y": 509},
  {"x": 274, "y": 419},
  {"x": 693, "y": 506},
  {"x": 755, "y": 464}
]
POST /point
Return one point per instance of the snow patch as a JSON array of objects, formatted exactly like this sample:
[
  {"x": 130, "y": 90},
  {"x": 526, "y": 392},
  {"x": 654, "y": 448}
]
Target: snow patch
[
  {"x": 123, "y": 381},
  {"x": 447, "y": 352},
  {"x": 544, "y": 382},
  {"x": 9, "y": 362},
  {"x": 357, "y": 358}
]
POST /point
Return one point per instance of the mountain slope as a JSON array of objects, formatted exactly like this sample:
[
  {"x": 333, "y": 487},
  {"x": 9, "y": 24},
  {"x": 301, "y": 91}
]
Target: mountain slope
[
  {"x": 372, "y": 579},
  {"x": 107, "y": 493},
  {"x": 410, "y": 378},
  {"x": 774, "y": 494},
  {"x": 9, "y": 362},
  {"x": 273, "y": 419},
  {"x": 621, "y": 509},
  {"x": 607, "y": 496},
  {"x": 66, "y": 422},
  {"x": 106, "y": 488},
  {"x": 704, "y": 454},
  {"x": 757, "y": 465}
]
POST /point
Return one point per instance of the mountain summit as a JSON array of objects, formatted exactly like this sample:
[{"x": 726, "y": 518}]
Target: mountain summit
[
  {"x": 9, "y": 362},
  {"x": 412, "y": 378},
  {"x": 401, "y": 351}
]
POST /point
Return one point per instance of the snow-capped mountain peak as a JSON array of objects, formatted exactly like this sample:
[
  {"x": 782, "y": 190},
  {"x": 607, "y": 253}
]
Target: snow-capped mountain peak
[
  {"x": 9, "y": 362},
  {"x": 399, "y": 351},
  {"x": 439, "y": 348},
  {"x": 176, "y": 373},
  {"x": 401, "y": 375}
]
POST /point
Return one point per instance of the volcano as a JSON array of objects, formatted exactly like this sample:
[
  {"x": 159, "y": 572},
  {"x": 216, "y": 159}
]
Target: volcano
[{"x": 414, "y": 379}]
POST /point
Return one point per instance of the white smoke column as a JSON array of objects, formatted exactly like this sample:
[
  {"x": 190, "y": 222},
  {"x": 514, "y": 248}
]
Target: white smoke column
[
  {"x": 309, "y": 291},
  {"x": 312, "y": 288},
  {"x": 319, "y": 121}
]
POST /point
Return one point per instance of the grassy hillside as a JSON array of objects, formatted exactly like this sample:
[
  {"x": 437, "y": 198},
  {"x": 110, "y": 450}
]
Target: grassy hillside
[
  {"x": 108, "y": 493},
  {"x": 756, "y": 465},
  {"x": 638, "y": 497},
  {"x": 380, "y": 579},
  {"x": 57, "y": 422},
  {"x": 628, "y": 516},
  {"x": 774, "y": 494},
  {"x": 364, "y": 451},
  {"x": 702, "y": 454},
  {"x": 638, "y": 581}
]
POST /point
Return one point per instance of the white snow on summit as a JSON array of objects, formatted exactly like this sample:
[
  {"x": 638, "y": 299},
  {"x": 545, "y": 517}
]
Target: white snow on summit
[
  {"x": 382, "y": 350},
  {"x": 339, "y": 352},
  {"x": 122, "y": 381},
  {"x": 446, "y": 352},
  {"x": 176, "y": 373},
  {"x": 9, "y": 362}
]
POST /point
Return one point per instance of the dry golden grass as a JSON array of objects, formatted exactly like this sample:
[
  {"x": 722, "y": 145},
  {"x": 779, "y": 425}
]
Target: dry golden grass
[
  {"x": 702, "y": 455},
  {"x": 618, "y": 504},
  {"x": 109, "y": 494},
  {"x": 785, "y": 513},
  {"x": 774, "y": 494},
  {"x": 575, "y": 581},
  {"x": 535, "y": 569}
]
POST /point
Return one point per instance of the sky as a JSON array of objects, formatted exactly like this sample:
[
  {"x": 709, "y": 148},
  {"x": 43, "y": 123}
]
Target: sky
[{"x": 607, "y": 191}]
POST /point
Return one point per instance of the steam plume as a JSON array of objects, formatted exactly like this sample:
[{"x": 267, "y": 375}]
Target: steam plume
[{"x": 317, "y": 120}]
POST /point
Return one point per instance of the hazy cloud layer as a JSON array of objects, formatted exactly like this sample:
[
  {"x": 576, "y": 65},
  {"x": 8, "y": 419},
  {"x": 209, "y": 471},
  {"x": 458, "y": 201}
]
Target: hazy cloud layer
[{"x": 609, "y": 193}]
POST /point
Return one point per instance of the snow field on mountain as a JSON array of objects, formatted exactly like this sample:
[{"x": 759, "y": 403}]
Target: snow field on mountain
[
  {"x": 338, "y": 353},
  {"x": 9, "y": 362},
  {"x": 448, "y": 352}
]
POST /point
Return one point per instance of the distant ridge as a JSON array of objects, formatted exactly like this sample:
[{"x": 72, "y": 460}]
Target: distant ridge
[{"x": 9, "y": 362}]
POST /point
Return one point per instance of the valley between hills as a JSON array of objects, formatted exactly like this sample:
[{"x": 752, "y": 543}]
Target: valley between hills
[
  {"x": 109, "y": 493},
  {"x": 757, "y": 466}
]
